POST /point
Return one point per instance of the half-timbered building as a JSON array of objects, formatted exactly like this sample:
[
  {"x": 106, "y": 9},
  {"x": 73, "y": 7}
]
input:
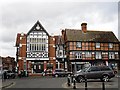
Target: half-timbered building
[
  {"x": 33, "y": 50},
  {"x": 61, "y": 61},
  {"x": 37, "y": 51},
  {"x": 95, "y": 47}
]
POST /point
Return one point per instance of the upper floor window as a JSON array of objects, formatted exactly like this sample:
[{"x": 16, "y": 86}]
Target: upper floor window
[
  {"x": 111, "y": 55},
  {"x": 78, "y": 55},
  {"x": 110, "y": 45},
  {"x": 97, "y": 45},
  {"x": 78, "y": 44},
  {"x": 88, "y": 54},
  {"x": 98, "y": 55},
  {"x": 59, "y": 53}
]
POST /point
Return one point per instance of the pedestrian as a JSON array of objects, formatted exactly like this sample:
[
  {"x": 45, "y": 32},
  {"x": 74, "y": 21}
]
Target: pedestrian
[
  {"x": 5, "y": 75},
  {"x": 19, "y": 74},
  {"x": 45, "y": 72}
]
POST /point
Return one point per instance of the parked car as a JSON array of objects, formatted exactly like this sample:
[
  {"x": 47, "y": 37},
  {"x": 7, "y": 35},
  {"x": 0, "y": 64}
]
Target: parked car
[
  {"x": 9, "y": 74},
  {"x": 60, "y": 73},
  {"x": 47, "y": 72},
  {"x": 115, "y": 70},
  {"x": 103, "y": 73}
]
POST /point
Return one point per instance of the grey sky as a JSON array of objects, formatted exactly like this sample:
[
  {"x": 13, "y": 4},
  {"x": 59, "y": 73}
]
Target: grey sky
[{"x": 17, "y": 17}]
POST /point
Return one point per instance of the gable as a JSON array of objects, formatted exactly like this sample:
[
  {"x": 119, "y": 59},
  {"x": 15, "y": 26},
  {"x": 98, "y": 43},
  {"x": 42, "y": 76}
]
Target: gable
[{"x": 37, "y": 28}]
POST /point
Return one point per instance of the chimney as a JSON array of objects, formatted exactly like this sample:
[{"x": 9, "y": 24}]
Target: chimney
[
  {"x": 63, "y": 34},
  {"x": 84, "y": 27}
]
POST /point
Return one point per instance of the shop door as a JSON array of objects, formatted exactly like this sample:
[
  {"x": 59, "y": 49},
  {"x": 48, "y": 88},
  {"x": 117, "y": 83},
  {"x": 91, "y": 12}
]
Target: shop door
[{"x": 38, "y": 68}]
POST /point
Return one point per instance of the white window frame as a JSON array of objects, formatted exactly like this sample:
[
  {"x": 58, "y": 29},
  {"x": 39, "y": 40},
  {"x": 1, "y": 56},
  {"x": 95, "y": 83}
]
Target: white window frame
[
  {"x": 78, "y": 44},
  {"x": 78, "y": 55},
  {"x": 97, "y": 45},
  {"x": 111, "y": 55},
  {"x": 88, "y": 54},
  {"x": 98, "y": 55},
  {"x": 110, "y": 45}
]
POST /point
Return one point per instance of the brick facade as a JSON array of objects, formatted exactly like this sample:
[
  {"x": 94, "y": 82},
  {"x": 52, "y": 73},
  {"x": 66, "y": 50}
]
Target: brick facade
[
  {"x": 37, "y": 51},
  {"x": 8, "y": 63},
  {"x": 32, "y": 54}
]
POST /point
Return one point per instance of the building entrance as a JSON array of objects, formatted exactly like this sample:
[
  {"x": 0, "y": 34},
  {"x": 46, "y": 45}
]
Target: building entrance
[{"x": 38, "y": 67}]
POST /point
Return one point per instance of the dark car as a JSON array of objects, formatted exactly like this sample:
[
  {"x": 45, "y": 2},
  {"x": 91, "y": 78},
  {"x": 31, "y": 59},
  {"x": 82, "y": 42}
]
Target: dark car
[
  {"x": 103, "y": 73},
  {"x": 60, "y": 73},
  {"x": 47, "y": 72},
  {"x": 9, "y": 74}
]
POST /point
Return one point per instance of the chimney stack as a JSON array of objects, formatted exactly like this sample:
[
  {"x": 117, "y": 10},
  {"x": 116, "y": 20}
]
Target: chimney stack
[{"x": 84, "y": 27}]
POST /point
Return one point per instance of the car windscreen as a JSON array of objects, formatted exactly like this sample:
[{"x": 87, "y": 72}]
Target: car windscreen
[
  {"x": 85, "y": 69},
  {"x": 9, "y": 71},
  {"x": 59, "y": 71}
]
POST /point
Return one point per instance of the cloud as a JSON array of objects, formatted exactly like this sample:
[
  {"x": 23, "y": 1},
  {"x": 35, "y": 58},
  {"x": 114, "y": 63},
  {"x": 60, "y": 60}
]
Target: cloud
[{"x": 21, "y": 16}]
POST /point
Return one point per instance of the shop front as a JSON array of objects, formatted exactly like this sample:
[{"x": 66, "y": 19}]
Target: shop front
[{"x": 36, "y": 66}]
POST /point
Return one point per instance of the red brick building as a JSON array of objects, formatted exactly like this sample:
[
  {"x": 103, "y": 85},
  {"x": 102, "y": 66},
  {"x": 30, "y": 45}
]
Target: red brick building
[
  {"x": 8, "y": 63},
  {"x": 35, "y": 50}
]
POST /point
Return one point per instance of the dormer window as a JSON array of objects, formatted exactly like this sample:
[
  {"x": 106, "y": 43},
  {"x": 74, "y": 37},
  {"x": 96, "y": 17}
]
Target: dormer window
[
  {"x": 78, "y": 44},
  {"x": 97, "y": 45},
  {"x": 110, "y": 45}
]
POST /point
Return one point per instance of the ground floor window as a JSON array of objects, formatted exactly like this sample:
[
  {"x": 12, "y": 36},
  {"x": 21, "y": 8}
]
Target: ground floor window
[{"x": 37, "y": 67}]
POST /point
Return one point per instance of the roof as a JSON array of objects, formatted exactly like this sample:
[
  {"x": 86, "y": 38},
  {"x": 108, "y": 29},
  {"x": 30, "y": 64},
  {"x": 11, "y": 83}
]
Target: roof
[
  {"x": 40, "y": 28},
  {"x": 95, "y": 36}
]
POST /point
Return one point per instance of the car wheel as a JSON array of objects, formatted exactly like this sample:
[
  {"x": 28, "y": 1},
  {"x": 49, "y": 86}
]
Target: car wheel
[
  {"x": 56, "y": 75},
  {"x": 105, "y": 78},
  {"x": 115, "y": 72},
  {"x": 80, "y": 79}
]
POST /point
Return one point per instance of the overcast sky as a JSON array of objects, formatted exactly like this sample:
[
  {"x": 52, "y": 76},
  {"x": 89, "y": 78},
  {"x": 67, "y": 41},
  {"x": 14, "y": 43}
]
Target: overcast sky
[{"x": 17, "y": 17}]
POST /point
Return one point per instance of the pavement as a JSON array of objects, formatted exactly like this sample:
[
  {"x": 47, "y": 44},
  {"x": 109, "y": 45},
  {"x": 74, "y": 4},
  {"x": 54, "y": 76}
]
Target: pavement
[
  {"x": 9, "y": 82},
  {"x": 96, "y": 84},
  {"x": 6, "y": 83}
]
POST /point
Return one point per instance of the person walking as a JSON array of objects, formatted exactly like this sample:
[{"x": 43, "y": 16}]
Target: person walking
[{"x": 5, "y": 75}]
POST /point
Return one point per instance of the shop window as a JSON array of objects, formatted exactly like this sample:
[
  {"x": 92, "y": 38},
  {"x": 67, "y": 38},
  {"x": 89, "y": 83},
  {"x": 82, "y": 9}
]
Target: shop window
[{"x": 34, "y": 66}]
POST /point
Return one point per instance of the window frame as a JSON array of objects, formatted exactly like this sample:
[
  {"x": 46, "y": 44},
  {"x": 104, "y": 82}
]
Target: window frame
[
  {"x": 110, "y": 45},
  {"x": 98, "y": 55},
  {"x": 111, "y": 55},
  {"x": 97, "y": 45},
  {"x": 78, "y": 44},
  {"x": 78, "y": 55}
]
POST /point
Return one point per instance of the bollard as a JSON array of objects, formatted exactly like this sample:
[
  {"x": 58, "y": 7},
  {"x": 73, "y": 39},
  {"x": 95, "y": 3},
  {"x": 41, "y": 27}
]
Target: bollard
[
  {"x": 72, "y": 79},
  {"x": 74, "y": 83},
  {"x": 103, "y": 85},
  {"x": 68, "y": 81},
  {"x": 86, "y": 84}
]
